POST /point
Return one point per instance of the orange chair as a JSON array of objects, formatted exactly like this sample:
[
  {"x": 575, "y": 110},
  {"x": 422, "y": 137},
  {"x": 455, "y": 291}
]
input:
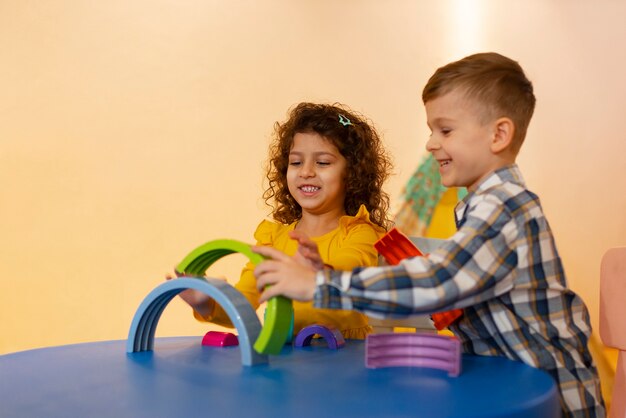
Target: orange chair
[{"x": 612, "y": 324}]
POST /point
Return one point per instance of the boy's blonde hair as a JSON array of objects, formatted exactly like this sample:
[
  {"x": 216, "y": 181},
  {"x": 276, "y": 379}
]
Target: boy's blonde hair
[{"x": 495, "y": 83}]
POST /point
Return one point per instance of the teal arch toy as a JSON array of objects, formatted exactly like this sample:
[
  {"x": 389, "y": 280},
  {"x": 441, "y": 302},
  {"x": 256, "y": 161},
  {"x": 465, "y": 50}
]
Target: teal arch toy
[
  {"x": 279, "y": 311},
  {"x": 244, "y": 318}
]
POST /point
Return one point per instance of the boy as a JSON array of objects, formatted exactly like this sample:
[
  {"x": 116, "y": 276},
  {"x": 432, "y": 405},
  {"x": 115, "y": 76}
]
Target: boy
[{"x": 502, "y": 266}]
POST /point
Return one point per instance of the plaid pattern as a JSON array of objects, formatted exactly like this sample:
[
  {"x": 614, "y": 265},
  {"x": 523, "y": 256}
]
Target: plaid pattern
[{"x": 502, "y": 267}]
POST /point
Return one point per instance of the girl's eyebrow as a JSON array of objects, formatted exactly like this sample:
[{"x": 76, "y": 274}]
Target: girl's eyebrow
[{"x": 316, "y": 154}]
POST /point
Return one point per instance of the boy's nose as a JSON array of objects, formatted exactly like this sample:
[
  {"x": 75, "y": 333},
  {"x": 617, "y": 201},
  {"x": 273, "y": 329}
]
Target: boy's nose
[{"x": 432, "y": 144}]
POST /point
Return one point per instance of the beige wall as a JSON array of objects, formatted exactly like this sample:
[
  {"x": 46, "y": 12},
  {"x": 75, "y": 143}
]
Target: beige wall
[{"x": 133, "y": 131}]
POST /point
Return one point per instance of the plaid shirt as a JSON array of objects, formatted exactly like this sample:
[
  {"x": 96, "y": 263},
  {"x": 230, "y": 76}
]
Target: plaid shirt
[{"x": 502, "y": 267}]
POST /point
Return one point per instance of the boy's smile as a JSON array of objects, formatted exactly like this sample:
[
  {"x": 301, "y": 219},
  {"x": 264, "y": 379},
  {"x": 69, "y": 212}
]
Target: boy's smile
[{"x": 459, "y": 141}]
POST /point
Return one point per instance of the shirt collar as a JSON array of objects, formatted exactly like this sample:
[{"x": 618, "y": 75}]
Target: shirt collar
[{"x": 507, "y": 174}]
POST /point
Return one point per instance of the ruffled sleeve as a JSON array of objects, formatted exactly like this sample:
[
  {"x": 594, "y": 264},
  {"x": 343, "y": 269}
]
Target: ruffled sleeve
[
  {"x": 265, "y": 233},
  {"x": 362, "y": 217}
]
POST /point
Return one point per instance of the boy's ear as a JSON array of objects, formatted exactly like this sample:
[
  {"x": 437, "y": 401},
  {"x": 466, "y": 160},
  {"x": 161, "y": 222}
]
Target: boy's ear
[{"x": 504, "y": 128}]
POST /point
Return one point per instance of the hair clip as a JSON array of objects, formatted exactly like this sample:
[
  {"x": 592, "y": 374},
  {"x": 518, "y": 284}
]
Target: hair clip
[{"x": 344, "y": 120}]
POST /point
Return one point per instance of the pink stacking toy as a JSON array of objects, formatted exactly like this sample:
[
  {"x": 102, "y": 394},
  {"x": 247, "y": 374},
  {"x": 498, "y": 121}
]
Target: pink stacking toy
[
  {"x": 219, "y": 339},
  {"x": 413, "y": 350}
]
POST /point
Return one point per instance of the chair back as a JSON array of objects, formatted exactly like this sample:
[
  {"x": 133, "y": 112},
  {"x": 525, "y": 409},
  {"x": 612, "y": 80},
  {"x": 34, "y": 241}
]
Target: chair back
[{"x": 612, "y": 324}]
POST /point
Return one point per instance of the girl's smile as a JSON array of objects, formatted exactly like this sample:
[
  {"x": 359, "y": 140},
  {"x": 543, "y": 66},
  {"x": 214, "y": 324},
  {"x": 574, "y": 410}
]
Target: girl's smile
[{"x": 308, "y": 190}]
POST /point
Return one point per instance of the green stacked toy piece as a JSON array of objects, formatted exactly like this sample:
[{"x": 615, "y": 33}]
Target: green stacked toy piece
[{"x": 279, "y": 311}]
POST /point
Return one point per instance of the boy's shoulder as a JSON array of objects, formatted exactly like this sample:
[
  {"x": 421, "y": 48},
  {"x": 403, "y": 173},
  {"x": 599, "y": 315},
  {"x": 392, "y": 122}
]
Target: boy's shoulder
[
  {"x": 505, "y": 188},
  {"x": 504, "y": 183},
  {"x": 509, "y": 194}
]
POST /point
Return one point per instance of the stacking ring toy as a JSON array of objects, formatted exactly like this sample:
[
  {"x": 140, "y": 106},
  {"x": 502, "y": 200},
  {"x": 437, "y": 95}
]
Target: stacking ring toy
[{"x": 279, "y": 311}]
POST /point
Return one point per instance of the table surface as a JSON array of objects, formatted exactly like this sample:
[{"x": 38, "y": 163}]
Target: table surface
[{"x": 181, "y": 378}]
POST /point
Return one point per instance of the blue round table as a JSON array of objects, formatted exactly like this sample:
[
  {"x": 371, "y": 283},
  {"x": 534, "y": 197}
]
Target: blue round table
[{"x": 182, "y": 378}]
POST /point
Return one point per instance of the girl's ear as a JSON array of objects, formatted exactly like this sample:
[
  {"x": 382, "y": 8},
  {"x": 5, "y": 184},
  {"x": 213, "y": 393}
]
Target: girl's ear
[{"x": 504, "y": 128}]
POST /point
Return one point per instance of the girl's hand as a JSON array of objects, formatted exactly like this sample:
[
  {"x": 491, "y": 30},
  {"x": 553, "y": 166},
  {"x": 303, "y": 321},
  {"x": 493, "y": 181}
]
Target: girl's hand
[
  {"x": 308, "y": 252},
  {"x": 284, "y": 275},
  {"x": 199, "y": 301}
]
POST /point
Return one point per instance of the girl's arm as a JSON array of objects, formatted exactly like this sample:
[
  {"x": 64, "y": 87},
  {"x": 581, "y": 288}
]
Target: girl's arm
[
  {"x": 264, "y": 235},
  {"x": 200, "y": 302},
  {"x": 247, "y": 286}
]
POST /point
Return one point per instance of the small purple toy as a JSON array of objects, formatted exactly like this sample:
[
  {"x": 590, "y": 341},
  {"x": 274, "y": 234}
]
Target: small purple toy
[
  {"x": 333, "y": 336},
  {"x": 219, "y": 339},
  {"x": 413, "y": 350}
]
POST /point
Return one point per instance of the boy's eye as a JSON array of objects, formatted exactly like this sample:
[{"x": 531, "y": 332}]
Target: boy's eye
[
  {"x": 294, "y": 162},
  {"x": 324, "y": 163},
  {"x": 446, "y": 131}
]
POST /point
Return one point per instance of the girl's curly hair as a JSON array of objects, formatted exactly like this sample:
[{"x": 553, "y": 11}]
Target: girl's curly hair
[{"x": 368, "y": 164}]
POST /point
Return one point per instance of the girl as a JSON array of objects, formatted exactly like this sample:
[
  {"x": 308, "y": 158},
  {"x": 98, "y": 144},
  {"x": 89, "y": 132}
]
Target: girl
[{"x": 325, "y": 174}]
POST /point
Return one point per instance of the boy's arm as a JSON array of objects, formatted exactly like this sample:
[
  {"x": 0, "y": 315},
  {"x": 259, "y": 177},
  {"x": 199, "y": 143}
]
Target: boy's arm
[
  {"x": 475, "y": 265},
  {"x": 357, "y": 250}
]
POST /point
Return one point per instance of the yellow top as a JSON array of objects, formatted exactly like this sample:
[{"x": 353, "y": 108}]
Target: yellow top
[
  {"x": 348, "y": 246},
  {"x": 442, "y": 222}
]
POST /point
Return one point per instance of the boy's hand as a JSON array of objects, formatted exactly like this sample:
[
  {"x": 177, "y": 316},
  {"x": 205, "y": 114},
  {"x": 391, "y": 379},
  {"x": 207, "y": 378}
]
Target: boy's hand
[{"x": 288, "y": 276}]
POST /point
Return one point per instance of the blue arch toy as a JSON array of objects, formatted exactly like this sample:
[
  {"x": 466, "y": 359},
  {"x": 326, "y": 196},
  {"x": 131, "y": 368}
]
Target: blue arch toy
[
  {"x": 239, "y": 310},
  {"x": 268, "y": 340}
]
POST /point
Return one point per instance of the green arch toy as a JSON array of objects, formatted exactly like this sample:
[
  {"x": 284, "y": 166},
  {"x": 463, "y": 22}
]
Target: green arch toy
[{"x": 279, "y": 311}]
